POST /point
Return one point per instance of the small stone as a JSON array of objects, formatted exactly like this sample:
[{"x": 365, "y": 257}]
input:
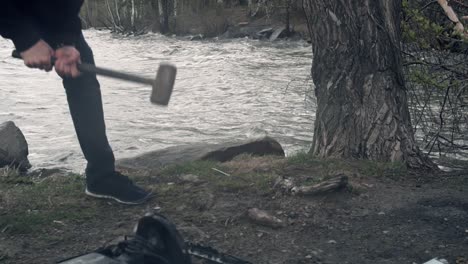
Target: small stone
[
  {"x": 181, "y": 208},
  {"x": 308, "y": 257},
  {"x": 437, "y": 261},
  {"x": 284, "y": 184},
  {"x": 385, "y": 231},
  {"x": 381, "y": 213},
  {"x": 190, "y": 178},
  {"x": 263, "y": 218},
  {"x": 331, "y": 241}
]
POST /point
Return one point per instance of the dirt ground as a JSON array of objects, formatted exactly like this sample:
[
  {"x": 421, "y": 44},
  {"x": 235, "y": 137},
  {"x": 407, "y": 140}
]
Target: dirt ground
[{"x": 385, "y": 214}]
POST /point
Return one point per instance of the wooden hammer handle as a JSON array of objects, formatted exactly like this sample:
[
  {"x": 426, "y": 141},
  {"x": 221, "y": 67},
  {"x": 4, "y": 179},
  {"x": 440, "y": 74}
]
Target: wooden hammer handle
[{"x": 89, "y": 68}]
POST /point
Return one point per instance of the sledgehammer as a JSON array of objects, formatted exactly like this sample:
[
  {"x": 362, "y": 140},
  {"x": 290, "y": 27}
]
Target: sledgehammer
[{"x": 162, "y": 86}]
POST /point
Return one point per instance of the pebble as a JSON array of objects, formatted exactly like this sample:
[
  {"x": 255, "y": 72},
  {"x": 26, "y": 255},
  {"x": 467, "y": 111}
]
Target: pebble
[
  {"x": 331, "y": 241},
  {"x": 190, "y": 178}
]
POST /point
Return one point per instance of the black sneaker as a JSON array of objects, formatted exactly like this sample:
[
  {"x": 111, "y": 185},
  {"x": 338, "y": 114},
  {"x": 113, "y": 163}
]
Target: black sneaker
[{"x": 119, "y": 188}]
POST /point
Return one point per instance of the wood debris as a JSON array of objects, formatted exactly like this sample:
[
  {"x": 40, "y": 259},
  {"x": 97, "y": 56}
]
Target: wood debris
[
  {"x": 263, "y": 218},
  {"x": 329, "y": 185}
]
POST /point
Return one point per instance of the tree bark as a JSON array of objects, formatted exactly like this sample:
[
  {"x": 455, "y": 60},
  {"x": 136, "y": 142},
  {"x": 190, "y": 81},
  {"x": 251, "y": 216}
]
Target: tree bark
[
  {"x": 117, "y": 13},
  {"x": 132, "y": 18},
  {"x": 163, "y": 16},
  {"x": 109, "y": 9},
  {"x": 288, "y": 17},
  {"x": 362, "y": 109}
]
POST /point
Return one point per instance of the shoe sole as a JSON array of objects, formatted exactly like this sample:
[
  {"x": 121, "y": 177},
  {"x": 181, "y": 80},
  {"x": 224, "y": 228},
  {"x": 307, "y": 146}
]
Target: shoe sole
[{"x": 101, "y": 196}]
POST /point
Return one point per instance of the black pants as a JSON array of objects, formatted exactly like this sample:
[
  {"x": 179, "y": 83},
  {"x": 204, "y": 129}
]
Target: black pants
[{"x": 84, "y": 100}]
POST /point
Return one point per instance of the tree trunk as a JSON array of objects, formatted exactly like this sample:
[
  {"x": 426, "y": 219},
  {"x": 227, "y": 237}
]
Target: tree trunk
[
  {"x": 109, "y": 9},
  {"x": 175, "y": 13},
  {"x": 362, "y": 109},
  {"x": 132, "y": 18},
  {"x": 163, "y": 16},
  {"x": 117, "y": 13},
  {"x": 288, "y": 17}
]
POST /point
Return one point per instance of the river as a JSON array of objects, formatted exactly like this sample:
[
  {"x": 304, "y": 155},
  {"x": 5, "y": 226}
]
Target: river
[{"x": 225, "y": 90}]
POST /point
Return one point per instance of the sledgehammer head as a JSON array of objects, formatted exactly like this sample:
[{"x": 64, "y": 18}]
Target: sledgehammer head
[{"x": 164, "y": 84}]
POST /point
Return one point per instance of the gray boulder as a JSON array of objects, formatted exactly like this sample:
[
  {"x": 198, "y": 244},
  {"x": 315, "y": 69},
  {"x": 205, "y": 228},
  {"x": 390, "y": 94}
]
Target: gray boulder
[
  {"x": 265, "y": 33},
  {"x": 277, "y": 33},
  {"x": 13, "y": 147},
  {"x": 201, "y": 151}
]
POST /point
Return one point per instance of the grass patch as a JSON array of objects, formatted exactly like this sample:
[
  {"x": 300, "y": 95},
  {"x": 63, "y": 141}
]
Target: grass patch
[
  {"x": 330, "y": 166},
  {"x": 199, "y": 168},
  {"x": 39, "y": 205},
  {"x": 8, "y": 172},
  {"x": 299, "y": 158},
  {"x": 242, "y": 175}
]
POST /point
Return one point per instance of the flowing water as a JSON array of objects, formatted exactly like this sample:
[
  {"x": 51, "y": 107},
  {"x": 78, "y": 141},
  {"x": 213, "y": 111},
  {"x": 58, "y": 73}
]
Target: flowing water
[{"x": 225, "y": 90}]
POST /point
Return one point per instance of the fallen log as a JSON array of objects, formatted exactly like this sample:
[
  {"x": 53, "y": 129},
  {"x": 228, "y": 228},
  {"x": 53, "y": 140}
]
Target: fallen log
[{"x": 329, "y": 185}]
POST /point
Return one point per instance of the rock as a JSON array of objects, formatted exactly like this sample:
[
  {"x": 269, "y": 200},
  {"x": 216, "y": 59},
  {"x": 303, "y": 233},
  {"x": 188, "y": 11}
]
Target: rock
[
  {"x": 437, "y": 261},
  {"x": 191, "y": 178},
  {"x": 277, "y": 33},
  {"x": 285, "y": 184},
  {"x": 13, "y": 147},
  {"x": 196, "y": 37},
  {"x": 265, "y": 33},
  {"x": 201, "y": 151},
  {"x": 233, "y": 32},
  {"x": 263, "y": 218},
  {"x": 44, "y": 173}
]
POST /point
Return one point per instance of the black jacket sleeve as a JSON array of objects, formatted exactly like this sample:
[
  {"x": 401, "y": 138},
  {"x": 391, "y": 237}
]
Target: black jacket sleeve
[
  {"x": 62, "y": 21},
  {"x": 27, "y": 21},
  {"x": 17, "y": 26}
]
